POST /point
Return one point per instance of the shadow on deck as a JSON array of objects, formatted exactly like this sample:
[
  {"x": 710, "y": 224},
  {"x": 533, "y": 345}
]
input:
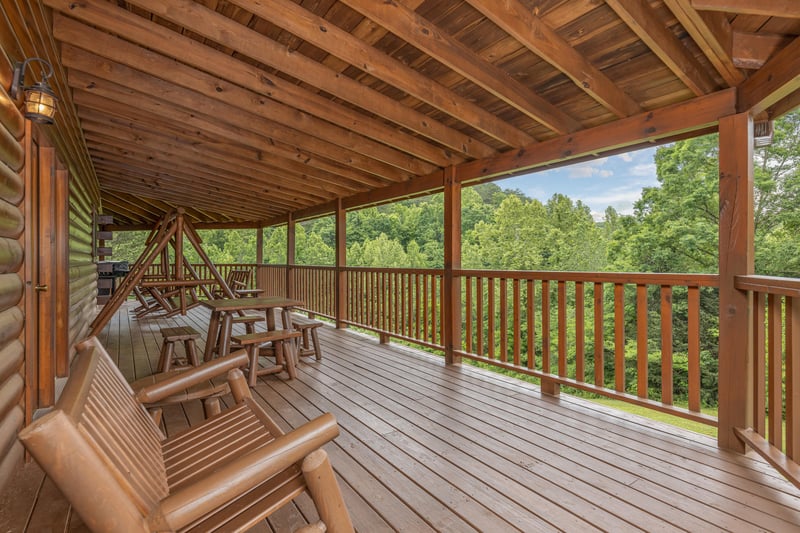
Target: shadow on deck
[{"x": 425, "y": 447}]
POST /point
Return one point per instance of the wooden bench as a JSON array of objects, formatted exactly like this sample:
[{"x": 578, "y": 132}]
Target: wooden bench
[
  {"x": 308, "y": 326},
  {"x": 120, "y": 473},
  {"x": 170, "y": 336},
  {"x": 284, "y": 359}
]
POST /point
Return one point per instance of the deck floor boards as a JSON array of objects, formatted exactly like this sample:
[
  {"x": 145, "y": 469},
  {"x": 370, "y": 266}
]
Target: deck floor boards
[{"x": 426, "y": 447}]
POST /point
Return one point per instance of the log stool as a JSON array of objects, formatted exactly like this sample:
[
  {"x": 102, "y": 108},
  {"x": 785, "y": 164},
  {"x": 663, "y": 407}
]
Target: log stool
[
  {"x": 283, "y": 358},
  {"x": 305, "y": 326},
  {"x": 249, "y": 321},
  {"x": 187, "y": 334}
]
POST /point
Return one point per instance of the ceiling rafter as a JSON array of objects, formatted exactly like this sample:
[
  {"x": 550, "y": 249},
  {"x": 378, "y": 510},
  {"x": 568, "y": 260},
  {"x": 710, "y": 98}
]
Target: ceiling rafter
[
  {"x": 778, "y": 79},
  {"x": 765, "y": 8},
  {"x": 712, "y": 33},
  {"x": 326, "y": 36},
  {"x": 268, "y": 52},
  {"x": 425, "y": 36},
  {"x": 167, "y": 70},
  {"x": 639, "y": 16},
  {"x": 529, "y": 29}
]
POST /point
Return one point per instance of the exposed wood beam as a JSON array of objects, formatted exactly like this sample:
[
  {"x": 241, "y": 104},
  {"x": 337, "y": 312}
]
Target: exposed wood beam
[
  {"x": 788, "y": 104},
  {"x": 753, "y": 50},
  {"x": 236, "y": 127},
  {"x": 427, "y": 37},
  {"x": 235, "y": 107},
  {"x": 319, "y": 32},
  {"x": 639, "y": 16},
  {"x": 712, "y": 34},
  {"x": 766, "y": 8},
  {"x": 228, "y": 158},
  {"x": 229, "y": 34},
  {"x": 229, "y": 71},
  {"x": 694, "y": 114},
  {"x": 513, "y": 17},
  {"x": 779, "y": 78}
]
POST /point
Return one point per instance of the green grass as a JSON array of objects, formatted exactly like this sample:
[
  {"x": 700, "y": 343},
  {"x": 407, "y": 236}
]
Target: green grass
[{"x": 690, "y": 425}]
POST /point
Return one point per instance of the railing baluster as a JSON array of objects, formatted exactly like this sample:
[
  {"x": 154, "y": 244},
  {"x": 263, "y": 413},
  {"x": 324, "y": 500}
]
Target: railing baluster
[
  {"x": 641, "y": 342},
  {"x": 503, "y": 320},
  {"x": 468, "y": 314},
  {"x": 562, "y": 327},
  {"x": 793, "y": 378},
  {"x": 516, "y": 318},
  {"x": 759, "y": 363},
  {"x": 774, "y": 371},
  {"x": 619, "y": 337},
  {"x": 531, "y": 294},
  {"x": 666, "y": 345},
  {"x": 693, "y": 317},
  {"x": 490, "y": 330},
  {"x": 599, "y": 342},
  {"x": 580, "y": 334},
  {"x": 479, "y": 314},
  {"x": 546, "y": 327}
]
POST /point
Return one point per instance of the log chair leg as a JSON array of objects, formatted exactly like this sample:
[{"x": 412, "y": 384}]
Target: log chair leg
[
  {"x": 325, "y": 492},
  {"x": 252, "y": 351}
]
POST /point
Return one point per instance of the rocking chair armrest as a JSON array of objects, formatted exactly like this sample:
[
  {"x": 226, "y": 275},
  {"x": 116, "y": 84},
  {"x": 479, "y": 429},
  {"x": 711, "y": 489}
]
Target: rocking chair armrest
[
  {"x": 181, "y": 380},
  {"x": 242, "y": 475}
]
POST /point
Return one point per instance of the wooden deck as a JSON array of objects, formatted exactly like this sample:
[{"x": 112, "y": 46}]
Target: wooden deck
[{"x": 425, "y": 447}]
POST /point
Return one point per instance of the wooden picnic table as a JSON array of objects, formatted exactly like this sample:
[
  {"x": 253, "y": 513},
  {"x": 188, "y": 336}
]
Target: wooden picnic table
[{"x": 222, "y": 311}]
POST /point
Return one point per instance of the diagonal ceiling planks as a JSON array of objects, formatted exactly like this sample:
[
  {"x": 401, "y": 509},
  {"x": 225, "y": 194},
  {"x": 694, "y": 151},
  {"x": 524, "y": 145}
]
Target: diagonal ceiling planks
[{"x": 243, "y": 112}]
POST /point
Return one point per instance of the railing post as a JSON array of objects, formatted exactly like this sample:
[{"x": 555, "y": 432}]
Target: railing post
[
  {"x": 451, "y": 303},
  {"x": 290, "y": 250},
  {"x": 735, "y": 258},
  {"x": 341, "y": 263}
]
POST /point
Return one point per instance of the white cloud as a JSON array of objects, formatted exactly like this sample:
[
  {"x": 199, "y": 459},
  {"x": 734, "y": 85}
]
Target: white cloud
[
  {"x": 589, "y": 169},
  {"x": 644, "y": 170},
  {"x": 626, "y": 157}
]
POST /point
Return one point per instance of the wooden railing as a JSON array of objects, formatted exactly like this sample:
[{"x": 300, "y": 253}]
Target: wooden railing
[
  {"x": 203, "y": 272},
  {"x": 401, "y": 303},
  {"x": 776, "y": 371},
  {"x": 316, "y": 287},
  {"x": 272, "y": 279},
  {"x": 574, "y": 329}
]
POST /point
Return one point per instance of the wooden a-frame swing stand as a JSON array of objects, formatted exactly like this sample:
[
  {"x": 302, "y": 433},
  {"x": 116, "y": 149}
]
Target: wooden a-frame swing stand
[{"x": 181, "y": 279}]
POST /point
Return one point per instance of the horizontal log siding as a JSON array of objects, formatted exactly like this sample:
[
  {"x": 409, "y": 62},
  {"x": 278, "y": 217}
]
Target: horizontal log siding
[
  {"x": 82, "y": 269},
  {"x": 12, "y": 353},
  {"x": 553, "y": 326}
]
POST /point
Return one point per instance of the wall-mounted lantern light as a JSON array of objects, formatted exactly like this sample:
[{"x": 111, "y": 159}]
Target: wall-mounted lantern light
[{"x": 40, "y": 100}]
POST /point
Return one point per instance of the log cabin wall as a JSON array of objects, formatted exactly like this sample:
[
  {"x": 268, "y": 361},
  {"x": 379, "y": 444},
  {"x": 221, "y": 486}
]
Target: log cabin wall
[
  {"x": 82, "y": 268},
  {"x": 12, "y": 411}
]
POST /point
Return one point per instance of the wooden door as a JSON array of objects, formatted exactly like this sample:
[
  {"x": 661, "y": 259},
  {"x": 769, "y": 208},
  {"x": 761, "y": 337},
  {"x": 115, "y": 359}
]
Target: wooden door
[{"x": 46, "y": 273}]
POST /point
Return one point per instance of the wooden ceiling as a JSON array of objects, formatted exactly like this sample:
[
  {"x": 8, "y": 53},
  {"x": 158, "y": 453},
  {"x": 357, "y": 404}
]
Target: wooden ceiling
[{"x": 244, "y": 111}]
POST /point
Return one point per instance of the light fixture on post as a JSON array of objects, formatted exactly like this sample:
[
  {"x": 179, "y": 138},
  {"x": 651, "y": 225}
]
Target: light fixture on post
[{"x": 40, "y": 100}]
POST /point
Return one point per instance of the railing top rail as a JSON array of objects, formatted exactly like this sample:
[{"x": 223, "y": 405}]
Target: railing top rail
[
  {"x": 769, "y": 284},
  {"x": 646, "y": 278}
]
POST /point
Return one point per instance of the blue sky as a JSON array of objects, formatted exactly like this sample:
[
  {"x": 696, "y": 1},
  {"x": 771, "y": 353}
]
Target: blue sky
[{"x": 615, "y": 181}]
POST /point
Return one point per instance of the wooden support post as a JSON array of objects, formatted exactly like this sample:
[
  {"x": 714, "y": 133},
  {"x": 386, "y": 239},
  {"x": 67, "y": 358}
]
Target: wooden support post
[
  {"x": 341, "y": 263},
  {"x": 290, "y": 250},
  {"x": 260, "y": 245},
  {"x": 451, "y": 303},
  {"x": 735, "y": 258}
]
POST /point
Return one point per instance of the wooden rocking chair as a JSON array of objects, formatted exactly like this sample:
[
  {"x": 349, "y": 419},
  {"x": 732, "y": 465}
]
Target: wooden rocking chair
[
  {"x": 238, "y": 281},
  {"x": 120, "y": 473}
]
